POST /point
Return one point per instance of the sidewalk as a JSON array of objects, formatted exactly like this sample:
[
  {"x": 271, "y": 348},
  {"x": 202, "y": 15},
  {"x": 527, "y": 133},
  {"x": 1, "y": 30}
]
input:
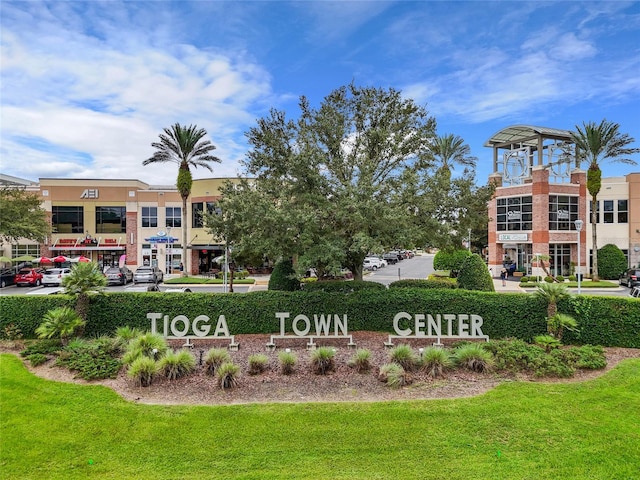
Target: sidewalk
[{"x": 512, "y": 285}]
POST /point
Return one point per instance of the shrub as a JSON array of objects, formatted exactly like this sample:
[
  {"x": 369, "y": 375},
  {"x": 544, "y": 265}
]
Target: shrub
[
  {"x": 404, "y": 356},
  {"x": 549, "y": 279},
  {"x": 475, "y": 275},
  {"x": 611, "y": 262},
  {"x": 587, "y": 357},
  {"x": 361, "y": 360},
  {"x": 93, "y": 360},
  {"x": 342, "y": 286},
  {"x": 524, "y": 279},
  {"x": 284, "y": 277},
  {"x": 322, "y": 360},
  {"x": 572, "y": 278},
  {"x": 126, "y": 334},
  {"x": 558, "y": 323},
  {"x": 473, "y": 357},
  {"x": 547, "y": 342},
  {"x": 214, "y": 359},
  {"x": 560, "y": 278},
  {"x": 258, "y": 363},
  {"x": 450, "y": 260},
  {"x": 176, "y": 365},
  {"x": 143, "y": 370},
  {"x": 151, "y": 345},
  {"x": 513, "y": 354},
  {"x": 435, "y": 361},
  {"x": 287, "y": 361},
  {"x": 227, "y": 375},
  {"x": 37, "y": 359},
  {"x": 60, "y": 322},
  {"x": 393, "y": 375},
  {"x": 432, "y": 282},
  {"x": 11, "y": 332},
  {"x": 46, "y": 347}
]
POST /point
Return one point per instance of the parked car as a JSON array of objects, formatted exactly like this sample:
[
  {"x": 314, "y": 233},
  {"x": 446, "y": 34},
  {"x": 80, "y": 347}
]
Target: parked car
[
  {"x": 630, "y": 278},
  {"x": 118, "y": 275},
  {"x": 148, "y": 274},
  {"x": 7, "y": 277},
  {"x": 372, "y": 263},
  {"x": 635, "y": 292},
  {"x": 393, "y": 257},
  {"x": 53, "y": 276},
  {"x": 29, "y": 276}
]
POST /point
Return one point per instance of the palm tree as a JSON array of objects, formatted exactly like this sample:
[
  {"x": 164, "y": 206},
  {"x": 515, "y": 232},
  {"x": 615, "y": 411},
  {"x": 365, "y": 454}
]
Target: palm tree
[
  {"x": 83, "y": 279},
  {"x": 186, "y": 147},
  {"x": 60, "y": 322},
  {"x": 451, "y": 149},
  {"x": 595, "y": 143},
  {"x": 551, "y": 293}
]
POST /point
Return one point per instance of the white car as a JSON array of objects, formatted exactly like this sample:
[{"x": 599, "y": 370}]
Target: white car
[
  {"x": 373, "y": 263},
  {"x": 53, "y": 276}
]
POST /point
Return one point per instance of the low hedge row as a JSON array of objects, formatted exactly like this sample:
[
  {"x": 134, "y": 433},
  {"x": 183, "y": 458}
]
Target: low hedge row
[{"x": 607, "y": 321}]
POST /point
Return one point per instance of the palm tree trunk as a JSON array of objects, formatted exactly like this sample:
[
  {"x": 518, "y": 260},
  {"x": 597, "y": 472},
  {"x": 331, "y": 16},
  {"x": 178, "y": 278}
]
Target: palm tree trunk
[
  {"x": 594, "y": 241},
  {"x": 185, "y": 260}
]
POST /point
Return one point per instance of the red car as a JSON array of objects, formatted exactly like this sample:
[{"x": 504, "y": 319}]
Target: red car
[{"x": 29, "y": 276}]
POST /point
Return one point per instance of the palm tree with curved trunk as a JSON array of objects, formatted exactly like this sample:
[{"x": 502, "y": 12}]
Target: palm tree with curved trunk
[
  {"x": 186, "y": 147},
  {"x": 451, "y": 149},
  {"x": 594, "y": 144}
]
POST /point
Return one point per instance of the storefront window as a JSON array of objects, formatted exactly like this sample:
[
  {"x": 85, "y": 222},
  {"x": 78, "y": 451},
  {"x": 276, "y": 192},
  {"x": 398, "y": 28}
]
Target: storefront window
[
  {"x": 563, "y": 212},
  {"x": 111, "y": 220},
  {"x": 67, "y": 219},
  {"x": 560, "y": 259},
  {"x": 515, "y": 213}
]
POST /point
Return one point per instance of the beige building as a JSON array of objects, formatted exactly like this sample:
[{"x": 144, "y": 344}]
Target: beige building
[{"x": 124, "y": 221}]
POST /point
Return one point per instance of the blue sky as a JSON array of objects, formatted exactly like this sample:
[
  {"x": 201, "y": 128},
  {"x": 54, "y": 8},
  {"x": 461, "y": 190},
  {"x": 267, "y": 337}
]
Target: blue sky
[{"x": 85, "y": 87}]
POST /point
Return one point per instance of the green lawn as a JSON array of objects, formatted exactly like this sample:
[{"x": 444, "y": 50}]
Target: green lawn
[{"x": 535, "y": 431}]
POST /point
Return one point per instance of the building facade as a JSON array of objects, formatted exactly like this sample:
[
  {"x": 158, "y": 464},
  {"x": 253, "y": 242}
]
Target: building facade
[
  {"x": 126, "y": 222},
  {"x": 540, "y": 199}
]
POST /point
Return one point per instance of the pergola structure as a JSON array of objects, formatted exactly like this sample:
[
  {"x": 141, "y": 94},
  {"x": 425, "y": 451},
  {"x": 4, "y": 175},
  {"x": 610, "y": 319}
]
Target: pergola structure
[{"x": 524, "y": 146}]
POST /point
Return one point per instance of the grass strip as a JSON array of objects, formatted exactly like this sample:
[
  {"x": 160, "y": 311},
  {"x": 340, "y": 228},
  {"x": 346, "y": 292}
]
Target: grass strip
[{"x": 519, "y": 430}]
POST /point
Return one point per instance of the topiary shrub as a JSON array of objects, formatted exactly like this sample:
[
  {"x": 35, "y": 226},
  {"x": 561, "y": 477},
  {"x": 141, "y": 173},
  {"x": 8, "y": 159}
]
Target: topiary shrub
[
  {"x": 611, "y": 262},
  {"x": 549, "y": 279},
  {"x": 560, "y": 278},
  {"x": 450, "y": 260},
  {"x": 524, "y": 279},
  {"x": 475, "y": 275},
  {"x": 284, "y": 277}
]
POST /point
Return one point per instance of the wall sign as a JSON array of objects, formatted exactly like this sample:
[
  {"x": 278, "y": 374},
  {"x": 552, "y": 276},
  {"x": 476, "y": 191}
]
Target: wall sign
[
  {"x": 513, "y": 237},
  {"x": 89, "y": 193}
]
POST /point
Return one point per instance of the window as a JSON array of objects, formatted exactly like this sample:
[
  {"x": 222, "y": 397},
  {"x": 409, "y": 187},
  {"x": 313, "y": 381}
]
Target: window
[
  {"x": 149, "y": 217},
  {"x": 67, "y": 219},
  {"x": 608, "y": 211},
  {"x": 111, "y": 220},
  {"x": 19, "y": 250},
  {"x": 515, "y": 213},
  {"x": 623, "y": 211},
  {"x": 197, "y": 210},
  {"x": 174, "y": 217},
  {"x": 563, "y": 212}
]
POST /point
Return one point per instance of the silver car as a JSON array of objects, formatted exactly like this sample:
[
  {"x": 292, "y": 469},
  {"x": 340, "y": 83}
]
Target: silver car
[
  {"x": 148, "y": 275},
  {"x": 53, "y": 276}
]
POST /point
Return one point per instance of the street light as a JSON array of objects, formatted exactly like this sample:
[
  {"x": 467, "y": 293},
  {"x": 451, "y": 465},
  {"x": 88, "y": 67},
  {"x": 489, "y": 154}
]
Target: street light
[{"x": 578, "y": 224}]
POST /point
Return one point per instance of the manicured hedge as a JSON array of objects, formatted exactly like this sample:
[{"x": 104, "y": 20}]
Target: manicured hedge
[
  {"x": 436, "y": 282},
  {"x": 340, "y": 286},
  {"x": 607, "y": 321}
]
